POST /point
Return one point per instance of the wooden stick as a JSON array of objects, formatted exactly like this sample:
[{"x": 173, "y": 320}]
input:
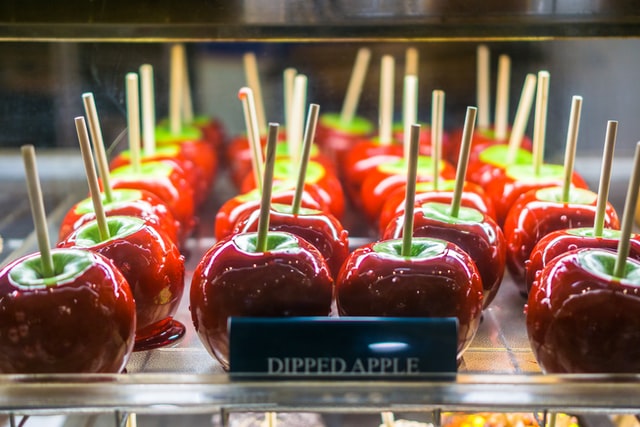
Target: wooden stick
[
  {"x": 411, "y": 62},
  {"x": 133, "y": 120},
  {"x": 253, "y": 81},
  {"x": 385, "y": 117},
  {"x": 253, "y": 134},
  {"x": 410, "y": 192},
  {"x": 540, "y": 121},
  {"x": 186, "y": 100},
  {"x": 437, "y": 126},
  {"x": 572, "y": 142},
  {"x": 354, "y": 88},
  {"x": 297, "y": 116},
  {"x": 265, "y": 201},
  {"x": 502, "y": 97},
  {"x": 271, "y": 419},
  {"x": 387, "y": 419},
  {"x": 92, "y": 178},
  {"x": 98, "y": 144},
  {"x": 309, "y": 136},
  {"x": 148, "y": 110},
  {"x": 605, "y": 177},
  {"x": 627, "y": 216},
  {"x": 463, "y": 159},
  {"x": 482, "y": 85},
  {"x": 176, "y": 86},
  {"x": 409, "y": 109},
  {"x": 522, "y": 117},
  {"x": 288, "y": 77},
  {"x": 37, "y": 209}
]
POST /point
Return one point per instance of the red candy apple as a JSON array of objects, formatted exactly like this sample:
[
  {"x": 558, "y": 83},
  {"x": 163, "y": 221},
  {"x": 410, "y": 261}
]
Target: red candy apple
[
  {"x": 137, "y": 203},
  {"x": 321, "y": 229},
  {"x": 438, "y": 279},
  {"x": 538, "y": 213},
  {"x": 472, "y": 197},
  {"x": 165, "y": 181},
  {"x": 81, "y": 319},
  {"x": 290, "y": 278},
  {"x": 583, "y": 319},
  {"x": 471, "y": 230},
  {"x": 336, "y": 138},
  {"x": 153, "y": 267},
  {"x": 561, "y": 241}
]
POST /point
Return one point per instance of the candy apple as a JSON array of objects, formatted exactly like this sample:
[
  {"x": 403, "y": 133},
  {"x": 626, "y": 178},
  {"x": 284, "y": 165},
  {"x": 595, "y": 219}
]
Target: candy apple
[
  {"x": 81, "y": 319},
  {"x": 438, "y": 280},
  {"x": 472, "y": 197},
  {"x": 192, "y": 147},
  {"x": 153, "y": 267},
  {"x": 561, "y": 241},
  {"x": 483, "y": 138},
  {"x": 290, "y": 278},
  {"x": 328, "y": 184},
  {"x": 390, "y": 176},
  {"x": 171, "y": 153},
  {"x": 336, "y": 138},
  {"x": 319, "y": 228},
  {"x": 484, "y": 165},
  {"x": 239, "y": 206},
  {"x": 509, "y": 183},
  {"x": 583, "y": 319},
  {"x": 138, "y": 203},
  {"x": 212, "y": 129},
  {"x": 538, "y": 213},
  {"x": 165, "y": 181},
  {"x": 472, "y": 231}
]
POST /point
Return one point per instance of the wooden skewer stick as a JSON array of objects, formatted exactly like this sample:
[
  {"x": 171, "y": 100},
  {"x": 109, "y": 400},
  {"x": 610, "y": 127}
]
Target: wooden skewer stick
[
  {"x": 253, "y": 81},
  {"x": 385, "y": 116},
  {"x": 148, "y": 109},
  {"x": 309, "y": 135},
  {"x": 409, "y": 109},
  {"x": 133, "y": 120},
  {"x": 37, "y": 209},
  {"x": 522, "y": 117},
  {"x": 176, "y": 86},
  {"x": 437, "y": 126},
  {"x": 482, "y": 85},
  {"x": 98, "y": 144},
  {"x": 354, "y": 88},
  {"x": 92, "y": 178},
  {"x": 253, "y": 134},
  {"x": 265, "y": 201},
  {"x": 410, "y": 192},
  {"x": 627, "y": 217},
  {"x": 502, "y": 97},
  {"x": 572, "y": 142},
  {"x": 540, "y": 121},
  {"x": 463, "y": 159},
  {"x": 605, "y": 177}
]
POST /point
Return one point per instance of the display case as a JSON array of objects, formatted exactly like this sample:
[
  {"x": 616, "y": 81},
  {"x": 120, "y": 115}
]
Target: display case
[{"x": 52, "y": 54}]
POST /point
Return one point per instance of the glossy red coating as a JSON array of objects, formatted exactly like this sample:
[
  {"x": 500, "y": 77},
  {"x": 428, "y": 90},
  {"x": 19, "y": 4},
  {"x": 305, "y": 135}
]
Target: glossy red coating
[
  {"x": 83, "y": 325},
  {"x": 482, "y": 240},
  {"x": 530, "y": 219},
  {"x": 328, "y": 185},
  {"x": 444, "y": 285},
  {"x": 239, "y": 206},
  {"x": 229, "y": 281},
  {"x": 198, "y": 151},
  {"x": 559, "y": 242},
  {"x": 379, "y": 184},
  {"x": 147, "y": 207},
  {"x": 336, "y": 143},
  {"x": 482, "y": 138},
  {"x": 322, "y": 230},
  {"x": 154, "y": 269},
  {"x": 504, "y": 189},
  {"x": 579, "y": 321},
  {"x": 173, "y": 189},
  {"x": 472, "y": 197}
]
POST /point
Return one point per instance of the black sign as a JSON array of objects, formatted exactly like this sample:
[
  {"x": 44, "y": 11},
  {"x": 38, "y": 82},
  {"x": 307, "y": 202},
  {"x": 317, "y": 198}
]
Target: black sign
[{"x": 342, "y": 348}]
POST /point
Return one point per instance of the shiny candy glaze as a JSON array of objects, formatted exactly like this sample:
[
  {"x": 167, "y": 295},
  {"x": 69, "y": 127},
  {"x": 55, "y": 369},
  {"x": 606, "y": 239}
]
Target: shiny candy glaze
[
  {"x": 147, "y": 207},
  {"x": 446, "y": 285},
  {"x": 482, "y": 240},
  {"x": 83, "y": 326},
  {"x": 530, "y": 219},
  {"x": 580, "y": 322},
  {"x": 230, "y": 281},
  {"x": 472, "y": 197},
  {"x": 242, "y": 205},
  {"x": 335, "y": 142},
  {"x": 504, "y": 189},
  {"x": 154, "y": 269},
  {"x": 482, "y": 138},
  {"x": 380, "y": 183},
  {"x": 559, "y": 242},
  {"x": 320, "y": 229}
]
